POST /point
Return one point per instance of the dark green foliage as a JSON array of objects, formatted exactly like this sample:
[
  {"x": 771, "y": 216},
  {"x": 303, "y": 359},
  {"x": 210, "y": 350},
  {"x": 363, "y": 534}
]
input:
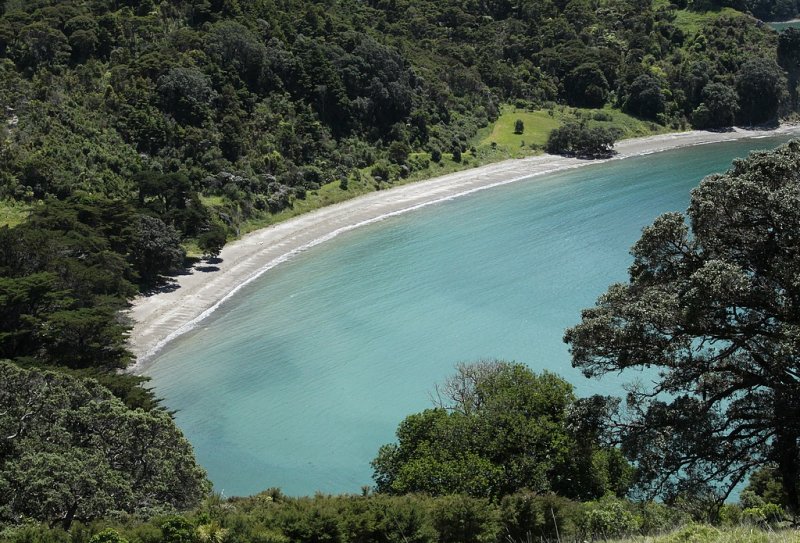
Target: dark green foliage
[
  {"x": 398, "y": 152},
  {"x": 645, "y": 97},
  {"x": 712, "y": 305},
  {"x": 587, "y": 86},
  {"x": 773, "y": 10},
  {"x": 519, "y": 126},
  {"x": 500, "y": 428},
  {"x": 718, "y": 109},
  {"x": 766, "y": 483},
  {"x": 463, "y": 519},
  {"x": 155, "y": 248},
  {"x": 108, "y": 535},
  {"x": 574, "y": 139},
  {"x": 177, "y": 530},
  {"x": 789, "y": 60},
  {"x": 71, "y": 451},
  {"x": 212, "y": 240},
  {"x": 761, "y": 86}
]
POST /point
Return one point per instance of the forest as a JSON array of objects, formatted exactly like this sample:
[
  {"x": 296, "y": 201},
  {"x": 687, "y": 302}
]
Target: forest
[{"x": 140, "y": 134}]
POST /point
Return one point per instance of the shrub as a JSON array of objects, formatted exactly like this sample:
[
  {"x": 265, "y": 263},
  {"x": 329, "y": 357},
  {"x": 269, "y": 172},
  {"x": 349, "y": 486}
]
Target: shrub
[
  {"x": 573, "y": 139},
  {"x": 519, "y": 126},
  {"x": 461, "y": 519},
  {"x": 526, "y": 516}
]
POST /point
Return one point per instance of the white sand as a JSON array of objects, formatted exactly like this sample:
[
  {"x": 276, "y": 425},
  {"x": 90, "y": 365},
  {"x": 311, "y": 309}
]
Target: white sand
[{"x": 161, "y": 317}]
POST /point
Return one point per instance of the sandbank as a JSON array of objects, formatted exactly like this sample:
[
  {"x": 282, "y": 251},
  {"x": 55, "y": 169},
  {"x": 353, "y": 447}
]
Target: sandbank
[{"x": 161, "y": 317}]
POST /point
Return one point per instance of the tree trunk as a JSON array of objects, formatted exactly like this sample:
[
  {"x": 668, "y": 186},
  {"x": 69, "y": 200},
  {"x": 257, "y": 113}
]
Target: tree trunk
[
  {"x": 787, "y": 454},
  {"x": 69, "y": 517}
]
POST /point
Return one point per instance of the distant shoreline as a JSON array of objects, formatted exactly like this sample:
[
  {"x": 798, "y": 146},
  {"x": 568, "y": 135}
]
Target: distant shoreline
[{"x": 160, "y": 318}]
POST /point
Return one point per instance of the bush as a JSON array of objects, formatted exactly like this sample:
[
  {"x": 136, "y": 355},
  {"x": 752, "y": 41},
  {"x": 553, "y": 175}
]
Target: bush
[
  {"x": 694, "y": 533},
  {"x": 526, "y": 516},
  {"x": 519, "y": 126},
  {"x": 609, "y": 517},
  {"x": 573, "y": 139},
  {"x": 461, "y": 519},
  {"x": 213, "y": 240},
  {"x": 108, "y": 536}
]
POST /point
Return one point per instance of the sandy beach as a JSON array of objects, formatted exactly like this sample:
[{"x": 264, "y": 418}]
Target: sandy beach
[{"x": 161, "y": 317}]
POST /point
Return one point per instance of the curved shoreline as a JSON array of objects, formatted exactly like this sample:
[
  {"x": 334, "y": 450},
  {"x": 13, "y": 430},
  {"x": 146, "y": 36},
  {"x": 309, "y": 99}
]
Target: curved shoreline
[{"x": 164, "y": 316}]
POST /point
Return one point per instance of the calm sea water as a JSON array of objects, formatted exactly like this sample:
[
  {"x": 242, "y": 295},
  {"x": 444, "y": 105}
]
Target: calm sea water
[
  {"x": 780, "y": 27},
  {"x": 298, "y": 380}
]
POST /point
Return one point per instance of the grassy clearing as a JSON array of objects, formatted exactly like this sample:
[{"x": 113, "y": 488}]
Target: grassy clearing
[
  {"x": 13, "y": 213},
  {"x": 507, "y": 144},
  {"x": 692, "y": 21},
  {"x": 538, "y": 125},
  {"x": 701, "y": 533}
]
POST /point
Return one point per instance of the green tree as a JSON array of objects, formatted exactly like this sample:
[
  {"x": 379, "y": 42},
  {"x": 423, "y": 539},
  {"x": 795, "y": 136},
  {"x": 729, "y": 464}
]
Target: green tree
[
  {"x": 398, "y": 152},
  {"x": 712, "y": 305},
  {"x": 498, "y": 428},
  {"x": 719, "y": 107},
  {"x": 519, "y": 126},
  {"x": 155, "y": 248},
  {"x": 212, "y": 240},
  {"x": 645, "y": 97},
  {"x": 761, "y": 86},
  {"x": 580, "y": 140},
  {"x": 71, "y": 451},
  {"x": 108, "y": 535},
  {"x": 789, "y": 59},
  {"x": 586, "y": 86}
]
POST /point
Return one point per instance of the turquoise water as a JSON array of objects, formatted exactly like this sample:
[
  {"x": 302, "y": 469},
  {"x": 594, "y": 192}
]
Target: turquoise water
[
  {"x": 780, "y": 27},
  {"x": 300, "y": 378}
]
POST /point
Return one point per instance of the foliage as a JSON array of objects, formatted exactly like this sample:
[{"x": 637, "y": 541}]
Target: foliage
[
  {"x": 645, "y": 97},
  {"x": 761, "y": 86},
  {"x": 500, "y": 428},
  {"x": 712, "y": 309},
  {"x": 719, "y": 107},
  {"x": 72, "y": 451},
  {"x": 155, "y": 248},
  {"x": 212, "y": 241},
  {"x": 580, "y": 140}
]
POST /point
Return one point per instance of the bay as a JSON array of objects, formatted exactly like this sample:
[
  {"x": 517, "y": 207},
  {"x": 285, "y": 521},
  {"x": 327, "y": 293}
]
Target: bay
[
  {"x": 783, "y": 25},
  {"x": 298, "y": 380}
]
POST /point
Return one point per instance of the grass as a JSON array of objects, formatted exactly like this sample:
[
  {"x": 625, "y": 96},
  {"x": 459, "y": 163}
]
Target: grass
[
  {"x": 692, "y": 21},
  {"x": 13, "y": 213},
  {"x": 539, "y": 123},
  {"x": 493, "y": 143},
  {"x": 701, "y": 533}
]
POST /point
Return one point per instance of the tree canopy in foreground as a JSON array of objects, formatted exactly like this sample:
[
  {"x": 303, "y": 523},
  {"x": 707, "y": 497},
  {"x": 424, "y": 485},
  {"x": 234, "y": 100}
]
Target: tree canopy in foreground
[
  {"x": 69, "y": 450},
  {"x": 500, "y": 428},
  {"x": 713, "y": 307}
]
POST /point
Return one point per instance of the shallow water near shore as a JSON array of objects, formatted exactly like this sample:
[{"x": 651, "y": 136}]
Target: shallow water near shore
[
  {"x": 783, "y": 25},
  {"x": 298, "y": 380}
]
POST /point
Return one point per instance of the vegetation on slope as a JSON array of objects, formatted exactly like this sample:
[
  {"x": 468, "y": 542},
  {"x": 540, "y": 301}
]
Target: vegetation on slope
[{"x": 133, "y": 127}]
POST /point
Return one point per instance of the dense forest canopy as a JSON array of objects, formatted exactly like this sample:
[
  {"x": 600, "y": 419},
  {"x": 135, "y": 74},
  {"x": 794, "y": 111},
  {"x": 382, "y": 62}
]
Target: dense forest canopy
[{"x": 133, "y": 129}]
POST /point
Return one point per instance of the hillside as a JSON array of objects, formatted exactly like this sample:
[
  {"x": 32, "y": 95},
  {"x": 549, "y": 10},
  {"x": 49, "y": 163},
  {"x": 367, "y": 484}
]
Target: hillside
[{"x": 135, "y": 130}]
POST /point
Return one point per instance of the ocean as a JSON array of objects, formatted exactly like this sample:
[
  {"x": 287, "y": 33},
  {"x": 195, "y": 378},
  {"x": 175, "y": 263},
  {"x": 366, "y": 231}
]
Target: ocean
[{"x": 299, "y": 378}]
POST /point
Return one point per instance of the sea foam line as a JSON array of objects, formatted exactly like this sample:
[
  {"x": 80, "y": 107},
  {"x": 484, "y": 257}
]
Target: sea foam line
[{"x": 194, "y": 322}]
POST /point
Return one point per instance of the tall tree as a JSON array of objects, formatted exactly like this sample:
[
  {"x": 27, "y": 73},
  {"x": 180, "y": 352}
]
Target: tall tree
[
  {"x": 713, "y": 306},
  {"x": 499, "y": 428},
  {"x": 71, "y": 451},
  {"x": 761, "y": 86}
]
